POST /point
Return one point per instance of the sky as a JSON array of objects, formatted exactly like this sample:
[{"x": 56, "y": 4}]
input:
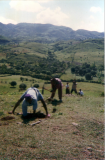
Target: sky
[{"x": 75, "y": 14}]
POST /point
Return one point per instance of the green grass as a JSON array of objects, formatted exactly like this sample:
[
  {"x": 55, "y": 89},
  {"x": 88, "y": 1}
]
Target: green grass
[
  {"x": 82, "y": 51},
  {"x": 57, "y": 137}
]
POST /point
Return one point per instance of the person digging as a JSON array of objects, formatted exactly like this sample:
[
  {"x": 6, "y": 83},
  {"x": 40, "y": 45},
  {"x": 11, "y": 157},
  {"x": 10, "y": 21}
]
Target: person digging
[
  {"x": 56, "y": 84},
  {"x": 30, "y": 98}
]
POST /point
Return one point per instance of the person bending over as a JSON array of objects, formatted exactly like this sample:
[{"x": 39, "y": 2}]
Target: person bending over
[
  {"x": 30, "y": 98},
  {"x": 56, "y": 84}
]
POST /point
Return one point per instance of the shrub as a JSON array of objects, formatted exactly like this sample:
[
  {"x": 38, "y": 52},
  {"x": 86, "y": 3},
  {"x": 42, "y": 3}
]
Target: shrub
[
  {"x": 88, "y": 76},
  {"x": 73, "y": 70},
  {"x": 102, "y": 94},
  {"x": 22, "y": 79},
  {"x": 36, "y": 85},
  {"x": 22, "y": 86},
  {"x": 47, "y": 82},
  {"x": 82, "y": 80},
  {"x": 13, "y": 83}
]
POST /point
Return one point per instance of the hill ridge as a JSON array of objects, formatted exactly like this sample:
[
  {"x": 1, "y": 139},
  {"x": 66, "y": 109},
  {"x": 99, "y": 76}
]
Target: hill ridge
[{"x": 46, "y": 32}]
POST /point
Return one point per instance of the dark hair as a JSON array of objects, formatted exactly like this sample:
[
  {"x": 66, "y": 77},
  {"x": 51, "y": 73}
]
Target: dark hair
[{"x": 27, "y": 97}]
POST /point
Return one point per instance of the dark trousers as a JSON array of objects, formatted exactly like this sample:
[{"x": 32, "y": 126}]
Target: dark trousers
[
  {"x": 67, "y": 91},
  {"x": 59, "y": 93},
  {"x": 73, "y": 90}
]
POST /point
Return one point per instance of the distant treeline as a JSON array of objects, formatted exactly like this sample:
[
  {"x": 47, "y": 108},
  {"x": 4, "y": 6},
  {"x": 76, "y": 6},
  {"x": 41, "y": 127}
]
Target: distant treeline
[{"x": 87, "y": 70}]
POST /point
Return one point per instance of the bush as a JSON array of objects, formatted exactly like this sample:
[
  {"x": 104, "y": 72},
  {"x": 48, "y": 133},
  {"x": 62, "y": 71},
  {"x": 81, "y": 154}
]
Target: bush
[
  {"x": 47, "y": 82},
  {"x": 36, "y": 85},
  {"x": 93, "y": 73},
  {"x": 102, "y": 94},
  {"x": 22, "y": 86},
  {"x": 13, "y": 83},
  {"x": 88, "y": 76},
  {"x": 22, "y": 79},
  {"x": 82, "y": 80},
  {"x": 78, "y": 80},
  {"x": 72, "y": 70}
]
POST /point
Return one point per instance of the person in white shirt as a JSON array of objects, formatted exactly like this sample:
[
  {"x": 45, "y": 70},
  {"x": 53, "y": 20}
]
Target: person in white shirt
[
  {"x": 67, "y": 88},
  {"x": 30, "y": 98},
  {"x": 80, "y": 92}
]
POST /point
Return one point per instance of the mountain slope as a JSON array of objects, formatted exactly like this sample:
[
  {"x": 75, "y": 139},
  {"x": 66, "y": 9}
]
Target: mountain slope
[
  {"x": 3, "y": 40},
  {"x": 45, "y": 32}
]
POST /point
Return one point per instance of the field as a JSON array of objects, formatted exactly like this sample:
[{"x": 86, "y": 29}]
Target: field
[{"x": 74, "y": 131}]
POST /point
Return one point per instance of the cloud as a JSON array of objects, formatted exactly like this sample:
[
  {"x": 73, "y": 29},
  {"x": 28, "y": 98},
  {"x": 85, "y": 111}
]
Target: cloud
[
  {"x": 56, "y": 17},
  {"x": 91, "y": 17},
  {"x": 91, "y": 26},
  {"x": 44, "y": 1},
  {"x": 28, "y": 6},
  {"x": 6, "y": 21},
  {"x": 95, "y": 9}
]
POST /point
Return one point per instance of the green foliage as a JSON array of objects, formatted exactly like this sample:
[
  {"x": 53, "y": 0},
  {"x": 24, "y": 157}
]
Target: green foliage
[
  {"x": 22, "y": 79},
  {"x": 73, "y": 70},
  {"x": 22, "y": 86},
  {"x": 13, "y": 83},
  {"x": 4, "y": 40},
  {"x": 34, "y": 66},
  {"x": 85, "y": 70},
  {"x": 93, "y": 73},
  {"x": 102, "y": 94},
  {"x": 88, "y": 76},
  {"x": 101, "y": 67},
  {"x": 44, "y": 61},
  {"x": 36, "y": 85}
]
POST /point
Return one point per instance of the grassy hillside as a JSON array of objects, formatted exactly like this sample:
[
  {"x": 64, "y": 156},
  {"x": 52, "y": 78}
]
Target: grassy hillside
[
  {"x": 76, "y": 127},
  {"x": 74, "y": 131},
  {"x": 52, "y": 59},
  {"x": 81, "y": 51},
  {"x": 78, "y": 51},
  {"x": 4, "y": 40}
]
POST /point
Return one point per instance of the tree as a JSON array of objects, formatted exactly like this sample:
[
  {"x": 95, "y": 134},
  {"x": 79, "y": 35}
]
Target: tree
[
  {"x": 81, "y": 72},
  {"x": 48, "y": 73},
  {"x": 22, "y": 79},
  {"x": 36, "y": 85},
  {"x": 88, "y": 70},
  {"x": 101, "y": 68},
  {"x": 73, "y": 70},
  {"x": 93, "y": 73},
  {"x": 22, "y": 86},
  {"x": 86, "y": 65},
  {"x": 93, "y": 66},
  {"x": 88, "y": 76},
  {"x": 13, "y": 83}
]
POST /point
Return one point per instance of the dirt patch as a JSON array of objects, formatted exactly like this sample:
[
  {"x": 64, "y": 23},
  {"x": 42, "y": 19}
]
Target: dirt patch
[
  {"x": 7, "y": 118},
  {"x": 5, "y": 123}
]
